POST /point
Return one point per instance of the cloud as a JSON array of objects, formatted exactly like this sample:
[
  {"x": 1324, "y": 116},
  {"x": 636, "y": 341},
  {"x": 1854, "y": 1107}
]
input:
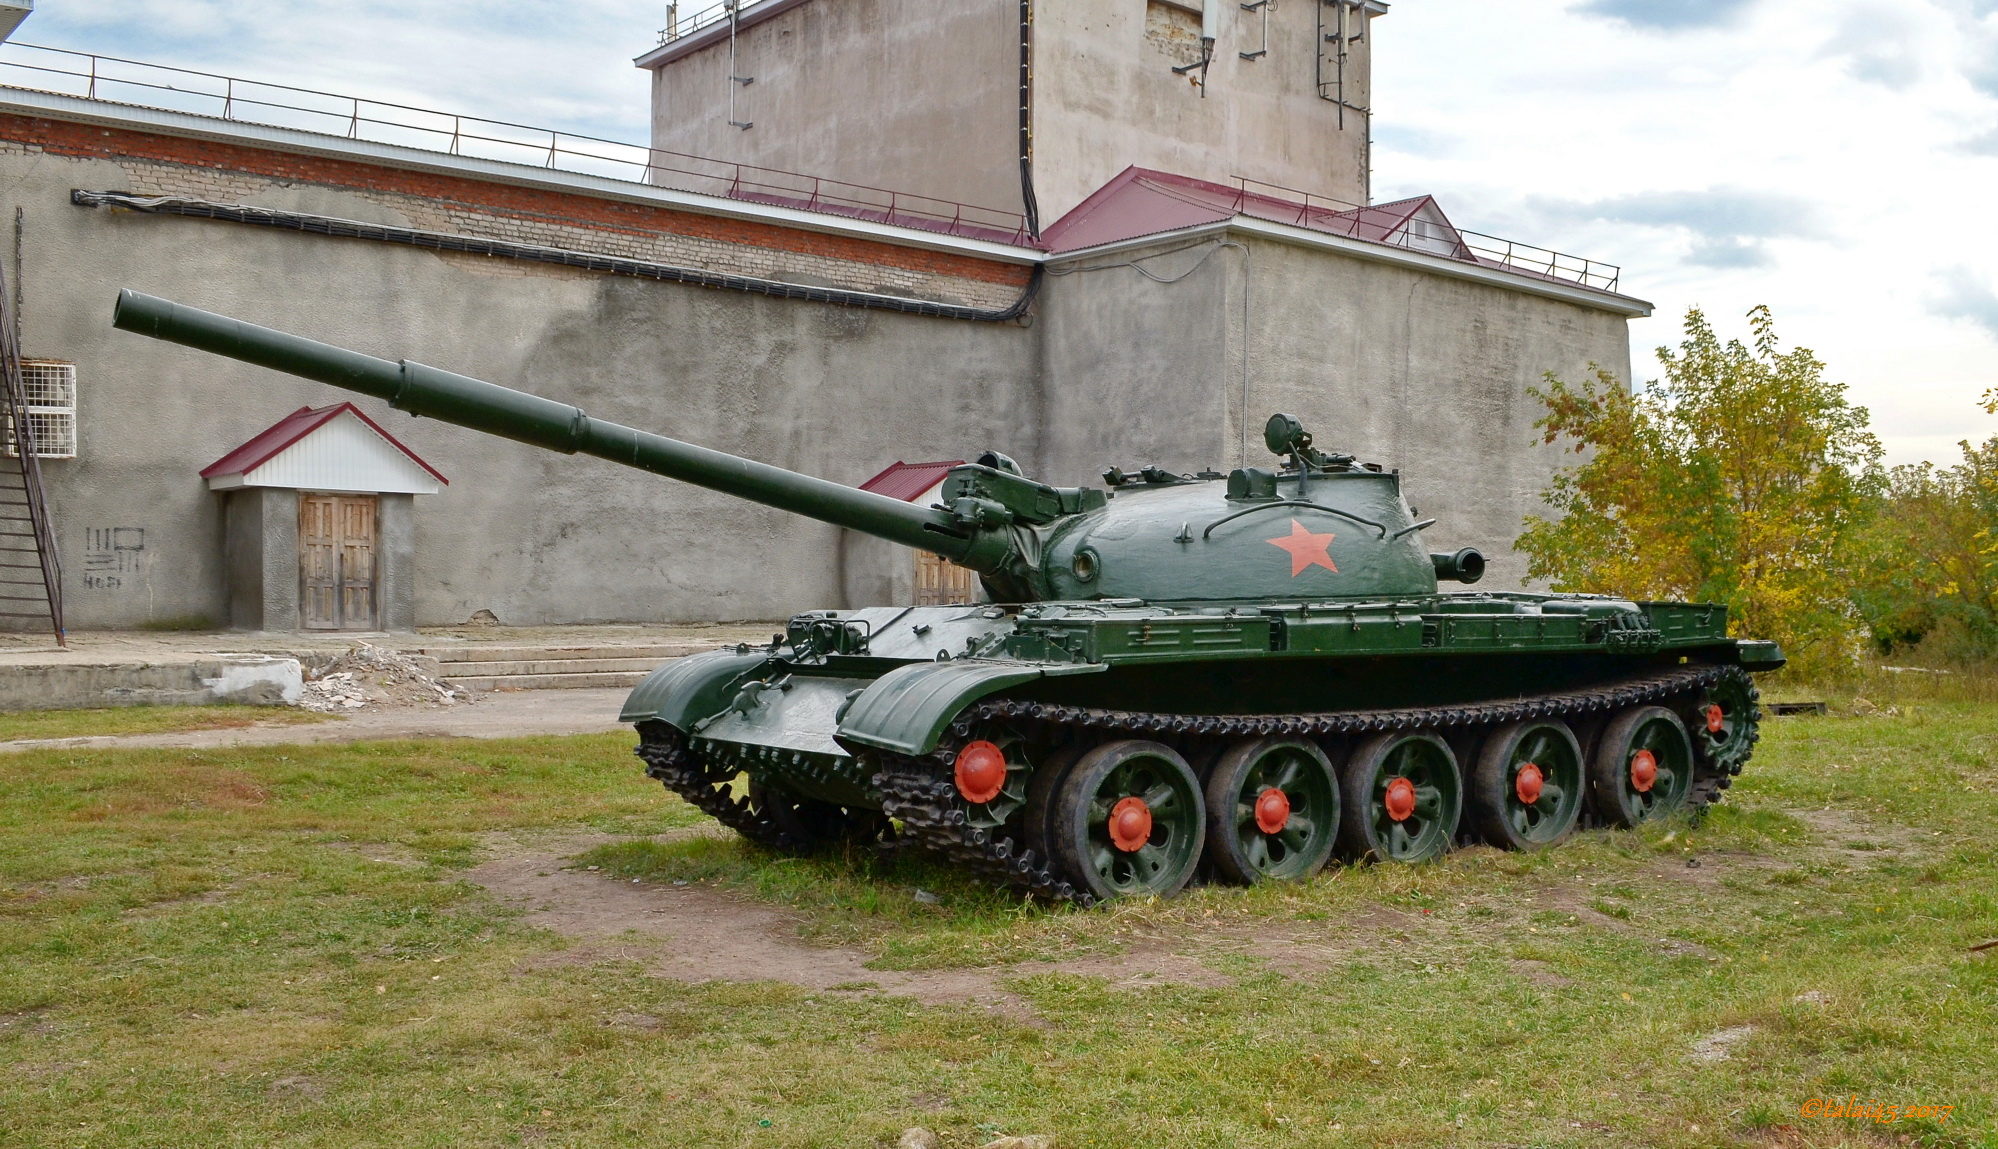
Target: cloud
[
  {"x": 1414, "y": 141},
  {"x": 1668, "y": 15},
  {"x": 1965, "y": 296},
  {"x": 1727, "y": 226},
  {"x": 565, "y": 65},
  {"x": 1879, "y": 46},
  {"x": 1984, "y": 144}
]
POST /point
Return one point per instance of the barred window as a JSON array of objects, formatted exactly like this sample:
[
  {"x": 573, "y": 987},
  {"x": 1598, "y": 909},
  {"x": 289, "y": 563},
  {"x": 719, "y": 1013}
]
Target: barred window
[{"x": 49, "y": 388}]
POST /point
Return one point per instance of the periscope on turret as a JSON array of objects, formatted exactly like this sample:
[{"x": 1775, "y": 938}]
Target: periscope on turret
[{"x": 1237, "y": 675}]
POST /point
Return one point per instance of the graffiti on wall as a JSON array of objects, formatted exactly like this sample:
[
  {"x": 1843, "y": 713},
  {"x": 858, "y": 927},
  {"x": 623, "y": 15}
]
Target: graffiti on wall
[{"x": 111, "y": 555}]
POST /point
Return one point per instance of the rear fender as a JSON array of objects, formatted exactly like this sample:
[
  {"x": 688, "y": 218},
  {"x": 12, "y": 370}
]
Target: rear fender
[{"x": 686, "y": 690}]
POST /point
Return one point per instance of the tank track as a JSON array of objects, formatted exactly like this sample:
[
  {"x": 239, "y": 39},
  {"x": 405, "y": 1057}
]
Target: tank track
[
  {"x": 932, "y": 814},
  {"x": 921, "y": 794},
  {"x": 664, "y": 751}
]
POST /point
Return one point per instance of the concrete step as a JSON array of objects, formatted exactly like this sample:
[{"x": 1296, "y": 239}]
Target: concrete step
[
  {"x": 485, "y": 684},
  {"x": 480, "y": 652},
  {"x": 457, "y": 670}
]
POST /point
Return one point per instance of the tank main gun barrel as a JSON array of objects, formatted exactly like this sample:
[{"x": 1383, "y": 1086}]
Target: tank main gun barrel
[{"x": 531, "y": 419}]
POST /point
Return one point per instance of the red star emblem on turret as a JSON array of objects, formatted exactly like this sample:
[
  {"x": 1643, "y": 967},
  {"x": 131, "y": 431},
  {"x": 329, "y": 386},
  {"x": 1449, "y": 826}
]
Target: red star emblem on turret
[{"x": 1306, "y": 549}]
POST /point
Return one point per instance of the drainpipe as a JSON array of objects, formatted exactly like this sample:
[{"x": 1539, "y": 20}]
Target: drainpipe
[
  {"x": 1210, "y": 31},
  {"x": 1029, "y": 204}
]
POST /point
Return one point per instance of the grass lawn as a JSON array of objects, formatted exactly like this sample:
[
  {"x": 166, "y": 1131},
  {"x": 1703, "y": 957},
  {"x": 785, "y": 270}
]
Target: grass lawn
[
  {"x": 26, "y": 724},
  {"x": 281, "y": 945}
]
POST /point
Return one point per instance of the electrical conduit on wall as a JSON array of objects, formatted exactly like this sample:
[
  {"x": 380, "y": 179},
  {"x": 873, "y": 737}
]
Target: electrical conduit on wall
[{"x": 588, "y": 261}]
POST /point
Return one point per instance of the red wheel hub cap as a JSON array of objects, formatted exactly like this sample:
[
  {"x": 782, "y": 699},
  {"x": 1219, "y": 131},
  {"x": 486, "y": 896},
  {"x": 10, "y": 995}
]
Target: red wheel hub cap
[
  {"x": 1272, "y": 810},
  {"x": 1716, "y": 719},
  {"x": 1130, "y": 824},
  {"x": 981, "y": 772},
  {"x": 1527, "y": 784},
  {"x": 1400, "y": 799},
  {"x": 1643, "y": 771}
]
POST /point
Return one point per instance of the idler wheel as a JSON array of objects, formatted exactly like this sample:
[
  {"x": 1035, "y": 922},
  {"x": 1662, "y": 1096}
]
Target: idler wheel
[
  {"x": 1527, "y": 790},
  {"x": 1643, "y": 767},
  {"x": 1128, "y": 820},
  {"x": 1272, "y": 810},
  {"x": 1400, "y": 797}
]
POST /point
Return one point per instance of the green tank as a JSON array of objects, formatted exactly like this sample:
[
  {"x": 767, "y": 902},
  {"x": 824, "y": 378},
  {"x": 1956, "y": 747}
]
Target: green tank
[{"x": 1239, "y": 675}]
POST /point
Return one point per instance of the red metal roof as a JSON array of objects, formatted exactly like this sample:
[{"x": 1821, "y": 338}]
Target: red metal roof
[
  {"x": 1141, "y": 202},
  {"x": 266, "y": 444},
  {"x": 908, "y": 481}
]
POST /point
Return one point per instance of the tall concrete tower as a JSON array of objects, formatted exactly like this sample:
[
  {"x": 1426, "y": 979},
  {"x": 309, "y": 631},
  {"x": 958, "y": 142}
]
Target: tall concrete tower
[{"x": 957, "y": 99}]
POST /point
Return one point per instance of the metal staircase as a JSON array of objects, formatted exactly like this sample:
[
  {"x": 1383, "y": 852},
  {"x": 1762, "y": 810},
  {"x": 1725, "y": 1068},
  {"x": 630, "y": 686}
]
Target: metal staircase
[{"x": 30, "y": 568}]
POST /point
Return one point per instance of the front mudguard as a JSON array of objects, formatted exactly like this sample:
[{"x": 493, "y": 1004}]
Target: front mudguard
[{"x": 687, "y": 690}]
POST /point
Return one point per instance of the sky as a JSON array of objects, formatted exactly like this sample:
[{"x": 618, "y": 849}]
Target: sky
[{"x": 1836, "y": 160}]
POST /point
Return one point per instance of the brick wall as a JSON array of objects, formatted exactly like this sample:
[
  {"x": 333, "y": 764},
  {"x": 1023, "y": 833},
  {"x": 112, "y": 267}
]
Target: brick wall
[{"x": 158, "y": 164}]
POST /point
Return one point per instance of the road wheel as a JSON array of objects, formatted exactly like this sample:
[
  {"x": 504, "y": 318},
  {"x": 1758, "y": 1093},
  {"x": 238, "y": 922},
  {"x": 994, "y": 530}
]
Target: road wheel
[
  {"x": 1128, "y": 820},
  {"x": 1401, "y": 798},
  {"x": 1272, "y": 810},
  {"x": 1527, "y": 790},
  {"x": 1643, "y": 767}
]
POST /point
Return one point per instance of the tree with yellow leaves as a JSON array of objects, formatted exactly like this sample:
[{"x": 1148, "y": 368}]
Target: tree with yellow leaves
[
  {"x": 1740, "y": 478},
  {"x": 1931, "y": 579}
]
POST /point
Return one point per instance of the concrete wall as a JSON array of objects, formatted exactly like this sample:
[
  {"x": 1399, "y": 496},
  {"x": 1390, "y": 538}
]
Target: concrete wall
[
  {"x": 1105, "y": 98},
  {"x": 1407, "y": 366},
  {"x": 924, "y": 97},
  {"x": 532, "y": 536},
  {"x": 910, "y": 95},
  {"x": 1418, "y": 371},
  {"x": 260, "y": 553}
]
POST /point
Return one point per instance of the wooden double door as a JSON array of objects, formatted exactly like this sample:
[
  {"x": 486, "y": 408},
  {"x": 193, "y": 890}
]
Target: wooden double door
[{"x": 338, "y": 536}]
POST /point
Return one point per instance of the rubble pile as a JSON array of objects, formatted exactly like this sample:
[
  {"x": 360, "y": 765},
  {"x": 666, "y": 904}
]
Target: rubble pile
[{"x": 370, "y": 675}]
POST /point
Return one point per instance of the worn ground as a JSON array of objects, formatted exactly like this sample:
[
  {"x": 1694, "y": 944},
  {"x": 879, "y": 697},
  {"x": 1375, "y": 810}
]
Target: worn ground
[
  {"x": 508, "y": 715},
  {"x": 405, "y": 943}
]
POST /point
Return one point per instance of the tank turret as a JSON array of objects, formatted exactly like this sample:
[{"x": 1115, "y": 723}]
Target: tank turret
[{"x": 1247, "y": 673}]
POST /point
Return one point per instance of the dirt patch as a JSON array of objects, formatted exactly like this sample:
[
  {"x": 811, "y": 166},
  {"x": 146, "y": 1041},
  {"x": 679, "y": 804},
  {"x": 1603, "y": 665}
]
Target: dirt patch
[
  {"x": 1539, "y": 973},
  {"x": 699, "y": 934},
  {"x": 1719, "y": 1045}
]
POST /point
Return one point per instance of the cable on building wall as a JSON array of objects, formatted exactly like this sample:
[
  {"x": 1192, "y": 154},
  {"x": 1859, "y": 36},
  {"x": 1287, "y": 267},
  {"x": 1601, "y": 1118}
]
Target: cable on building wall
[
  {"x": 1138, "y": 265},
  {"x": 1029, "y": 203},
  {"x": 533, "y": 253}
]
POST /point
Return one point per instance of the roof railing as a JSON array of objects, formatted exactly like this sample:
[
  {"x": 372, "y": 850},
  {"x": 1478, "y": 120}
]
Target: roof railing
[
  {"x": 136, "y": 83},
  {"x": 1280, "y": 204},
  {"x": 678, "y": 26}
]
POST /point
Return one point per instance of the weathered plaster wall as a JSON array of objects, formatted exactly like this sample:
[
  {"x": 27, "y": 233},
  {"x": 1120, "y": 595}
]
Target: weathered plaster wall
[
  {"x": 534, "y": 537},
  {"x": 1417, "y": 371},
  {"x": 924, "y": 97},
  {"x": 260, "y": 556},
  {"x": 1105, "y": 98},
  {"x": 905, "y": 94}
]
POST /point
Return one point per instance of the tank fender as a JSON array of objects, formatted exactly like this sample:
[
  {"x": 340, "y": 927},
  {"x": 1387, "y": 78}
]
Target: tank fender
[
  {"x": 686, "y": 690},
  {"x": 907, "y": 709},
  {"x": 1759, "y": 655}
]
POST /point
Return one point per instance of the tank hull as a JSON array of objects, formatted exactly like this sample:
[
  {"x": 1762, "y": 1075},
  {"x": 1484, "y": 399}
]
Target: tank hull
[{"x": 860, "y": 715}]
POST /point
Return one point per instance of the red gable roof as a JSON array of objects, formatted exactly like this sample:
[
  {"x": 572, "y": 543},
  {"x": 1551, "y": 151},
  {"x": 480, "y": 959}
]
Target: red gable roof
[
  {"x": 908, "y": 481},
  {"x": 265, "y": 444},
  {"x": 1142, "y": 202}
]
